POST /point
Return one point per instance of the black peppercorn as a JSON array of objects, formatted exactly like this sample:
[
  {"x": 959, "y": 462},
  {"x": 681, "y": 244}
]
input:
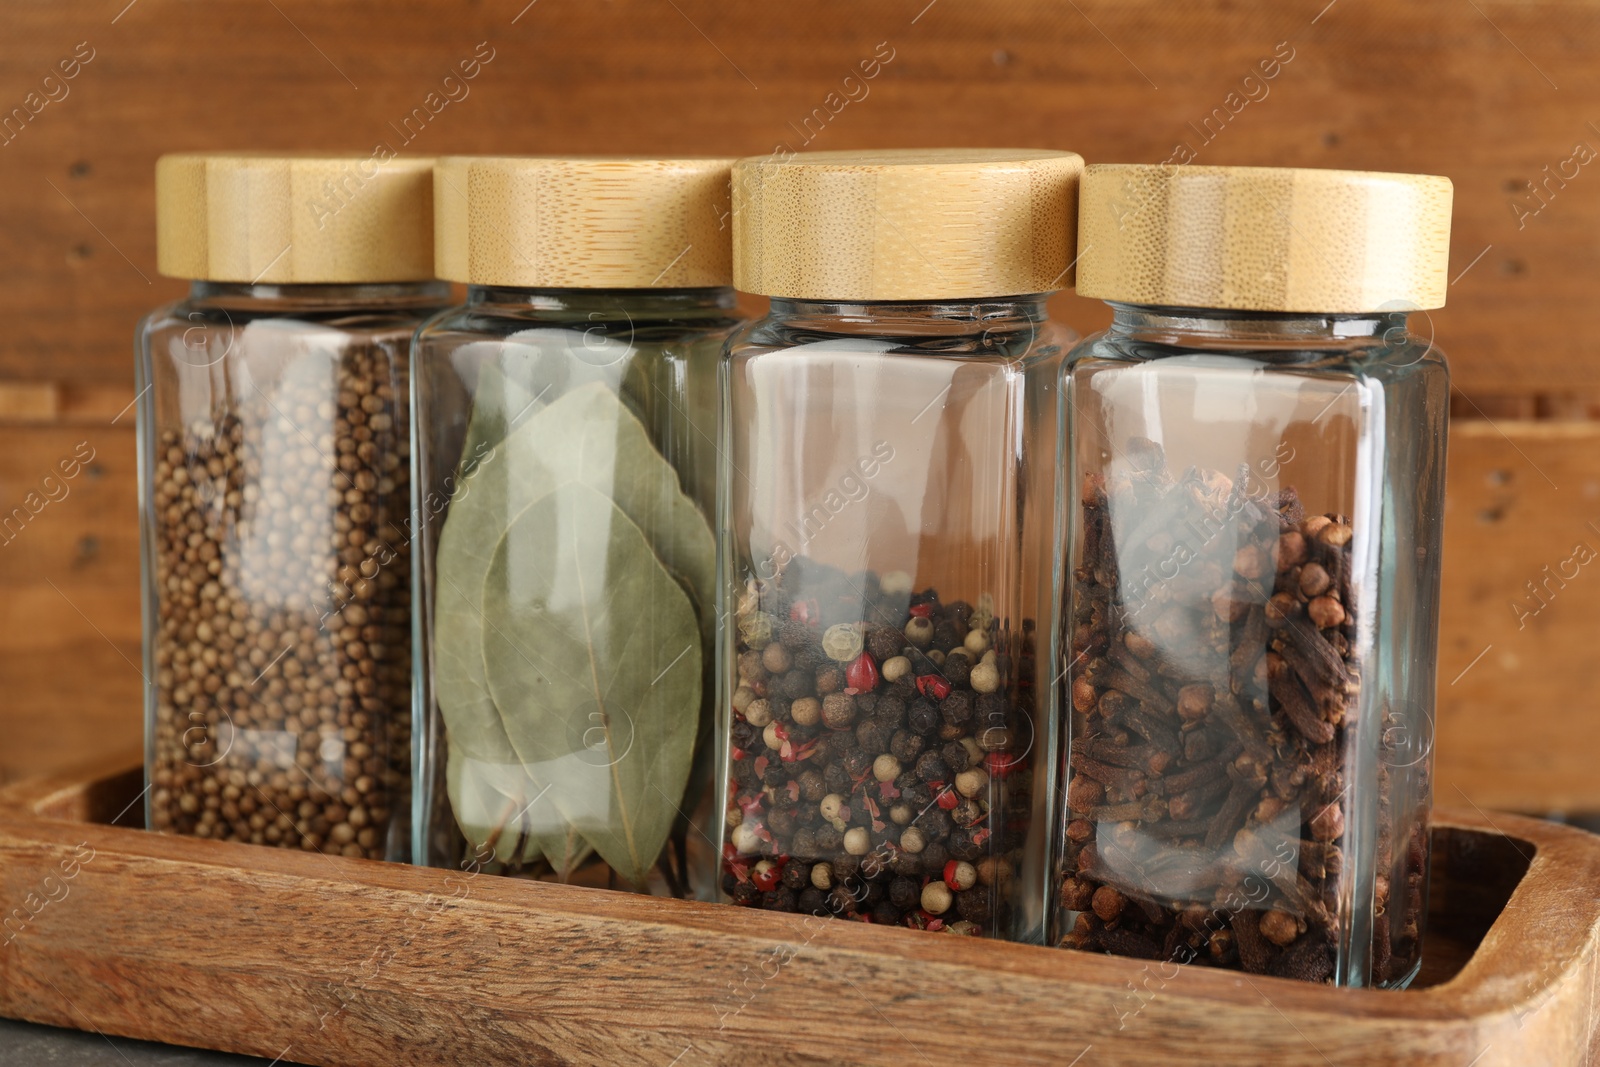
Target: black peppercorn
[
  {"x": 957, "y": 708},
  {"x": 960, "y": 613},
  {"x": 845, "y": 868},
  {"x": 886, "y": 914},
  {"x": 890, "y": 709},
  {"x": 956, "y": 755},
  {"x": 876, "y": 891},
  {"x": 782, "y": 821},
  {"x": 805, "y": 843},
  {"x": 746, "y": 894},
  {"x": 866, "y": 703},
  {"x": 858, "y": 763},
  {"x": 922, "y": 717},
  {"x": 931, "y": 767},
  {"x": 794, "y": 634},
  {"x": 904, "y": 893},
  {"x": 812, "y": 786},
  {"x": 836, "y": 778},
  {"x": 812, "y": 902},
  {"x": 918, "y": 795},
  {"x": 957, "y": 669},
  {"x": 841, "y": 901},
  {"x": 729, "y": 882},
  {"x": 936, "y": 824},
  {"x": 797, "y": 875},
  {"x": 934, "y": 856},
  {"x": 829, "y": 839},
  {"x": 811, "y": 658},
  {"x": 775, "y": 774},
  {"x": 945, "y": 636},
  {"x": 991, "y": 709},
  {"x": 780, "y": 899},
  {"x": 871, "y": 737},
  {"x": 975, "y": 904},
  {"x": 906, "y": 863},
  {"x": 796, "y": 684},
  {"x": 962, "y": 847},
  {"x": 829, "y": 680},
  {"x": 746, "y": 737},
  {"x": 885, "y": 642},
  {"x": 905, "y": 746}
]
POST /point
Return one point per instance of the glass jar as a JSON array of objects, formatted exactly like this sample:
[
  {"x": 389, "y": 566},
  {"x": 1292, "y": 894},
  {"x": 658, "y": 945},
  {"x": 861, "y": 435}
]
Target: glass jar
[
  {"x": 565, "y": 463},
  {"x": 1255, "y": 478},
  {"x": 887, "y": 483},
  {"x": 274, "y": 496}
]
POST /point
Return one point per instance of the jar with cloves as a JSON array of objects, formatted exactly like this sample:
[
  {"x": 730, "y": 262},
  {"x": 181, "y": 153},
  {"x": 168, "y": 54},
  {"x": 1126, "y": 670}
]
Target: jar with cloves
[
  {"x": 888, "y": 472},
  {"x": 566, "y": 421},
  {"x": 1251, "y": 527},
  {"x": 274, "y": 466}
]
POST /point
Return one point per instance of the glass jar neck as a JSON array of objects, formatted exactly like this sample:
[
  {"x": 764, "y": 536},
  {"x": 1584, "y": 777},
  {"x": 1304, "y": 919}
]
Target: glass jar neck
[
  {"x": 669, "y": 303},
  {"x": 1221, "y": 329},
  {"x": 357, "y": 294},
  {"x": 919, "y": 319}
]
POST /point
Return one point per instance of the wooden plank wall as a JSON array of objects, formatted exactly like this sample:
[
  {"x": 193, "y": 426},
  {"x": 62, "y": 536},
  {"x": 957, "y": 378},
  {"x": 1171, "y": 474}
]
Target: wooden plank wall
[{"x": 1501, "y": 95}]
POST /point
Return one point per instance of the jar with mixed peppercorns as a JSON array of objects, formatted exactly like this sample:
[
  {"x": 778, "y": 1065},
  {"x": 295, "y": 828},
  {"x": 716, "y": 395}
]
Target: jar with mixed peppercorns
[
  {"x": 566, "y": 438},
  {"x": 1255, "y": 478},
  {"x": 274, "y": 499},
  {"x": 888, "y": 472}
]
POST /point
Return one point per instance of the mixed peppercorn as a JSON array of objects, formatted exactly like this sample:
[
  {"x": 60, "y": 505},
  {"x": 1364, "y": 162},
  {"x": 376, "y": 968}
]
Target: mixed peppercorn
[{"x": 878, "y": 754}]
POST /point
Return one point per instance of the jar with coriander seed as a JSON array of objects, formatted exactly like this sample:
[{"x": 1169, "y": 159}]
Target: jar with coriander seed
[
  {"x": 888, "y": 470},
  {"x": 1253, "y": 499},
  {"x": 565, "y": 466},
  {"x": 274, "y": 467}
]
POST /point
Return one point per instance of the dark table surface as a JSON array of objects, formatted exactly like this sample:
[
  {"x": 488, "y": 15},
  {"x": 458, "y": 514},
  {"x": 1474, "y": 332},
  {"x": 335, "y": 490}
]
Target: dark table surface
[{"x": 30, "y": 1045}]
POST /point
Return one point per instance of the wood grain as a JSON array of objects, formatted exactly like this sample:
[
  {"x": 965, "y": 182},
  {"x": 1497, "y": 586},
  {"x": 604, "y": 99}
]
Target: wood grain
[
  {"x": 1433, "y": 87},
  {"x": 351, "y": 962},
  {"x": 1436, "y": 87}
]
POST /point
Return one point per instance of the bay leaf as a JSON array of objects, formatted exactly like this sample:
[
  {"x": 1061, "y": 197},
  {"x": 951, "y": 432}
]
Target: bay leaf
[
  {"x": 587, "y": 435},
  {"x": 591, "y": 647},
  {"x": 493, "y": 801},
  {"x": 530, "y": 369}
]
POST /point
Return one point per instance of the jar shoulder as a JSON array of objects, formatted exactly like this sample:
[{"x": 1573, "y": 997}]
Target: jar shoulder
[
  {"x": 1395, "y": 357},
  {"x": 457, "y": 325},
  {"x": 1041, "y": 343}
]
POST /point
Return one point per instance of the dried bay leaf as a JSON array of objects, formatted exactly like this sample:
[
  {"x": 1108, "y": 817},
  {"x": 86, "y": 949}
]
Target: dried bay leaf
[
  {"x": 529, "y": 370},
  {"x": 588, "y": 436},
  {"x": 592, "y": 651}
]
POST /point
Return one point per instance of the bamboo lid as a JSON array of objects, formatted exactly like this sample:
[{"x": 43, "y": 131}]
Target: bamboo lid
[
  {"x": 1264, "y": 238},
  {"x": 922, "y": 224},
  {"x": 248, "y": 217},
  {"x": 592, "y": 222}
]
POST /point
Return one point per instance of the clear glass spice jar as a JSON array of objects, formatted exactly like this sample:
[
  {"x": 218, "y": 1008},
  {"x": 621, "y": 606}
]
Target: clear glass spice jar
[
  {"x": 887, "y": 482},
  {"x": 1254, "y": 493},
  {"x": 274, "y": 495},
  {"x": 566, "y": 438}
]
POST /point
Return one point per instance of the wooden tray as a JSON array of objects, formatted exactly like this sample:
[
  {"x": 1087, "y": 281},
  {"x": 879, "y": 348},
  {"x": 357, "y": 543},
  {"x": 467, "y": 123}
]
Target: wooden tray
[{"x": 340, "y": 961}]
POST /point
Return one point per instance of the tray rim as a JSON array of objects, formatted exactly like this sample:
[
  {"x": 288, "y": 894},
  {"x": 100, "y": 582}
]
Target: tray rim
[{"x": 1499, "y": 985}]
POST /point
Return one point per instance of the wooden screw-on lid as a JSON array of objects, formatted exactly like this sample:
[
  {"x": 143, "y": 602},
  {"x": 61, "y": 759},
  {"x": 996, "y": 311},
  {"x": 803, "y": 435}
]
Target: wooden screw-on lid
[
  {"x": 931, "y": 224},
  {"x": 1263, "y": 238},
  {"x": 591, "y": 222},
  {"x": 305, "y": 219}
]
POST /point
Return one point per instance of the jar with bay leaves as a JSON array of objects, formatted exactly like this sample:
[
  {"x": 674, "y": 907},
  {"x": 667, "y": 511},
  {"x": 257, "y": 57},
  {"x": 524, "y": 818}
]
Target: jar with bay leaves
[
  {"x": 566, "y": 434},
  {"x": 274, "y": 493},
  {"x": 1255, "y": 462},
  {"x": 888, "y": 477}
]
